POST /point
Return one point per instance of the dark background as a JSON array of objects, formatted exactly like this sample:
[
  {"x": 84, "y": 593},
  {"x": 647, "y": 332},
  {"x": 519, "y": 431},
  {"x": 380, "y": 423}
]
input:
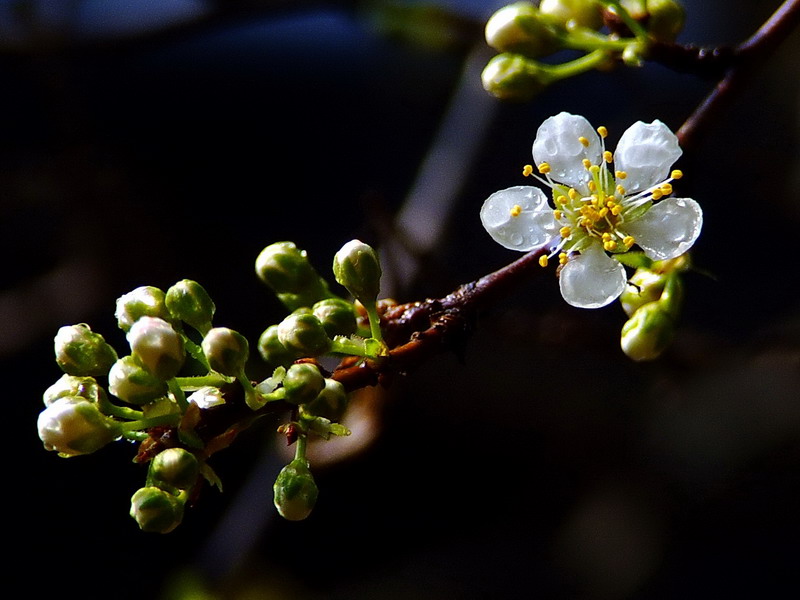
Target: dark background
[{"x": 546, "y": 464}]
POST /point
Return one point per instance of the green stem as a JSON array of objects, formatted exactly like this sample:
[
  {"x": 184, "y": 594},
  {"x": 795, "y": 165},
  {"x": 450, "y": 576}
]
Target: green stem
[
  {"x": 123, "y": 412},
  {"x": 171, "y": 419},
  {"x": 374, "y": 321},
  {"x": 634, "y": 25},
  {"x": 577, "y": 66},
  {"x": 198, "y": 381},
  {"x": 176, "y": 390}
]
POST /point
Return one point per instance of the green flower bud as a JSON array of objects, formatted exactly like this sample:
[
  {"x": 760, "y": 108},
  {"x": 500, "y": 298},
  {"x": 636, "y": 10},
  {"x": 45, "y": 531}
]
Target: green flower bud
[
  {"x": 303, "y": 382},
  {"x": 337, "y": 316},
  {"x": 70, "y": 385},
  {"x": 144, "y": 301},
  {"x": 285, "y": 268},
  {"x": 295, "y": 492},
  {"x": 132, "y": 383},
  {"x": 330, "y": 403},
  {"x": 188, "y": 301},
  {"x": 665, "y": 19},
  {"x": 568, "y": 13},
  {"x": 157, "y": 346},
  {"x": 155, "y": 510},
  {"x": 518, "y": 28},
  {"x": 227, "y": 350},
  {"x": 272, "y": 351},
  {"x": 175, "y": 467},
  {"x": 73, "y": 426},
  {"x": 303, "y": 334},
  {"x": 81, "y": 352},
  {"x": 648, "y": 332},
  {"x": 644, "y": 287},
  {"x": 357, "y": 268},
  {"x": 514, "y": 77}
]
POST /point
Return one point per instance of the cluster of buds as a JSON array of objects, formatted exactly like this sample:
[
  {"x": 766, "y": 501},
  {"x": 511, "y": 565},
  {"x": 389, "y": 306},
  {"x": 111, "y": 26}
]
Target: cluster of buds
[
  {"x": 604, "y": 31},
  {"x": 652, "y": 301},
  {"x": 102, "y": 396}
]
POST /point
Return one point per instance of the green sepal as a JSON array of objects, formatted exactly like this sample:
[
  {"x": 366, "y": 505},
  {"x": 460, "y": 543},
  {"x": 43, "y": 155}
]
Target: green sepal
[{"x": 634, "y": 259}]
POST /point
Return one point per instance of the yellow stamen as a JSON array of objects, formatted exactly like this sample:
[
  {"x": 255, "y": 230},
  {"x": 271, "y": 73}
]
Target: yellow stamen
[
  {"x": 565, "y": 232},
  {"x": 615, "y": 210},
  {"x": 603, "y": 212},
  {"x": 666, "y": 188},
  {"x": 677, "y": 174},
  {"x": 620, "y": 190},
  {"x": 527, "y": 170},
  {"x": 544, "y": 168},
  {"x": 607, "y": 156},
  {"x": 563, "y": 258},
  {"x": 592, "y": 186},
  {"x": 516, "y": 210},
  {"x": 610, "y": 245},
  {"x": 558, "y": 214},
  {"x": 543, "y": 260},
  {"x": 657, "y": 194},
  {"x": 573, "y": 194},
  {"x": 620, "y": 174},
  {"x": 606, "y": 236},
  {"x": 602, "y": 131},
  {"x": 584, "y": 142},
  {"x": 561, "y": 200},
  {"x": 594, "y": 169},
  {"x": 629, "y": 241},
  {"x": 586, "y": 163}
]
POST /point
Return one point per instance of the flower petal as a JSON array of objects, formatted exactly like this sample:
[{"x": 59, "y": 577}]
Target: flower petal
[
  {"x": 668, "y": 229},
  {"x": 532, "y": 228},
  {"x": 557, "y": 143},
  {"x": 592, "y": 279},
  {"x": 646, "y": 153}
]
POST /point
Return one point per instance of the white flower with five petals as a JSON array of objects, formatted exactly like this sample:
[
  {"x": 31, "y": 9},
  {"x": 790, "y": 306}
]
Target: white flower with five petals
[{"x": 595, "y": 210}]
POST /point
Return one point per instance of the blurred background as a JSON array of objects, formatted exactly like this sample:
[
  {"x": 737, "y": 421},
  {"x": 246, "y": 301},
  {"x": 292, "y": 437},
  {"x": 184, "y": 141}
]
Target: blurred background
[{"x": 143, "y": 142}]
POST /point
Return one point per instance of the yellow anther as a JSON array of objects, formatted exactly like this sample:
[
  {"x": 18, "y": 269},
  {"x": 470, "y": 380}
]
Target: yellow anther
[
  {"x": 592, "y": 186},
  {"x": 527, "y": 170},
  {"x": 565, "y": 232},
  {"x": 516, "y": 210},
  {"x": 602, "y": 131},
  {"x": 657, "y": 194},
  {"x": 620, "y": 190},
  {"x": 606, "y": 236},
  {"x": 586, "y": 163},
  {"x": 557, "y": 214},
  {"x": 573, "y": 194},
  {"x": 607, "y": 156},
  {"x": 610, "y": 245},
  {"x": 544, "y": 168},
  {"x": 563, "y": 258},
  {"x": 584, "y": 142},
  {"x": 620, "y": 174},
  {"x": 543, "y": 260},
  {"x": 615, "y": 210},
  {"x": 611, "y": 203},
  {"x": 594, "y": 169},
  {"x": 676, "y": 174},
  {"x": 629, "y": 241},
  {"x": 603, "y": 212},
  {"x": 561, "y": 200},
  {"x": 666, "y": 188}
]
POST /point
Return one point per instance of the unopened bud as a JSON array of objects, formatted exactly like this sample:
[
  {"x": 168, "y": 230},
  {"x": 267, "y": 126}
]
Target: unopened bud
[
  {"x": 227, "y": 350},
  {"x": 73, "y": 426},
  {"x": 303, "y": 382},
  {"x": 188, "y": 301},
  {"x": 518, "y": 28},
  {"x": 357, "y": 268},
  {"x": 647, "y": 333},
  {"x": 303, "y": 334},
  {"x": 295, "y": 491},
  {"x": 70, "y": 385},
  {"x": 569, "y": 13},
  {"x": 82, "y": 352},
  {"x": 665, "y": 19},
  {"x": 156, "y": 510},
  {"x": 131, "y": 382},
  {"x": 337, "y": 316},
  {"x": 144, "y": 301},
  {"x": 644, "y": 287},
  {"x": 330, "y": 403},
  {"x": 175, "y": 467},
  {"x": 158, "y": 347},
  {"x": 272, "y": 351},
  {"x": 513, "y": 77},
  {"x": 285, "y": 268}
]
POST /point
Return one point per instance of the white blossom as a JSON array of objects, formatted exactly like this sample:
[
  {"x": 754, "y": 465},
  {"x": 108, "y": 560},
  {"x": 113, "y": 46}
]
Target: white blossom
[{"x": 596, "y": 210}]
